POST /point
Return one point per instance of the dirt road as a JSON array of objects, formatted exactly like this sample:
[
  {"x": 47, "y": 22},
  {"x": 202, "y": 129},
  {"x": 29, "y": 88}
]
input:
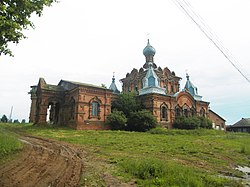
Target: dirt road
[
  {"x": 50, "y": 163},
  {"x": 43, "y": 163}
]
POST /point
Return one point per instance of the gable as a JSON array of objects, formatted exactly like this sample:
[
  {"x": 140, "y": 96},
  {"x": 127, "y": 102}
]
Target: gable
[
  {"x": 67, "y": 85},
  {"x": 185, "y": 98},
  {"x": 215, "y": 115},
  {"x": 244, "y": 122}
]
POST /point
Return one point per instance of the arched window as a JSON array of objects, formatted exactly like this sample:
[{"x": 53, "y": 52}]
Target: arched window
[
  {"x": 193, "y": 112},
  {"x": 95, "y": 108},
  {"x": 185, "y": 112},
  {"x": 164, "y": 113},
  {"x": 172, "y": 88},
  {"x": 177, "y": 111},
  {"x": 72, "y": 109},
  {"x": 202, "y": 112}
]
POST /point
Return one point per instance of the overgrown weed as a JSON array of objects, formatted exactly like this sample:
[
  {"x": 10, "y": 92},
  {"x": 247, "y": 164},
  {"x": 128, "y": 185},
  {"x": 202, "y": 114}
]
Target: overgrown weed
[
  {"x": 8, "y": 142},
  {"x": 197, "y": 132},
  {"x": 154, "y": 172}
]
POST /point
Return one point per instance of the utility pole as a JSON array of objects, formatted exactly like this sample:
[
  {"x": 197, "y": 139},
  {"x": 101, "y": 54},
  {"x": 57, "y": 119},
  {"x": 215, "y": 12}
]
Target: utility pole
[{"x": 11, "y": 110}]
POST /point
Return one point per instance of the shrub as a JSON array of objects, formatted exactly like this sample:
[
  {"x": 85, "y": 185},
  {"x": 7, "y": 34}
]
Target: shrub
[
  {"x": 205, "y": 123},
  {"x": 186, "y": 122},
  {"x": 117, "y": 120},
  {"x": 192, "y": 123},
  {"x": 158, "y": 130},
  {"x": 141, "y": 121}
]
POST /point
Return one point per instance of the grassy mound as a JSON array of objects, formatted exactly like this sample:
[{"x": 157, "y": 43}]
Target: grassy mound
[{"x": 8, "y": 142}]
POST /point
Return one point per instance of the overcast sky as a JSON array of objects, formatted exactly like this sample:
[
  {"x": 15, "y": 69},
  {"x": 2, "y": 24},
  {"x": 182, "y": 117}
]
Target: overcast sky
[{"x": 86, "y": 41}]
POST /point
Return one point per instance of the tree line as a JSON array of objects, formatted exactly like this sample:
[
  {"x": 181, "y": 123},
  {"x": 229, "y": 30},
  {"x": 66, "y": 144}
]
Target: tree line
[{"x": 4, "y": 119}]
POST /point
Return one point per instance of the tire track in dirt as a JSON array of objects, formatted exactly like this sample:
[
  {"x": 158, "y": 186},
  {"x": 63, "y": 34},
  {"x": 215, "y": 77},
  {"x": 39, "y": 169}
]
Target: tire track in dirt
[{"x": 43, "y": 163}]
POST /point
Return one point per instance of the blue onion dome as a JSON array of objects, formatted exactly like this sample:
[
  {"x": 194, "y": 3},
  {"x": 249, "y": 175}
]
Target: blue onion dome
[{"x": 149, "y": 50}]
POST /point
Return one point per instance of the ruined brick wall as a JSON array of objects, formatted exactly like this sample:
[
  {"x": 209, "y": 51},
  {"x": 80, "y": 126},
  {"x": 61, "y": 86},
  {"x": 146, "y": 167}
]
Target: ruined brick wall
[
  {"x": 72, "y": 107},
  {"x": 33, "y": 97}
]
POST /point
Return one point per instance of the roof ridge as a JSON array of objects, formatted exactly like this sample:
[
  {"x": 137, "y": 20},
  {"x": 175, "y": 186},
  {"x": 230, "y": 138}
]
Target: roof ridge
[{"x": 83, "y": 84}]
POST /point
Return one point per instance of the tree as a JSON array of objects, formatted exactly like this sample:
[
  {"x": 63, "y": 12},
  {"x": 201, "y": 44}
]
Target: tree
[
  {"x": 4, "y": 119},
  {"x": 117, "y": 120},
  {"x": 142, "y": 121},
  {"x": 128, "y": 106},
  {"x": 16, "y": 121},
  {"x": 126, "y": 102},
  {"x": 15, "y": 17},
  {"x": 103, "y": 85}
]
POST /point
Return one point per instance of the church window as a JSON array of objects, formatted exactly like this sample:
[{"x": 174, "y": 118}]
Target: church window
[
  {"x": 95, "y": 108},
  {"x": 164, "y": 114},
  {"x": 192, "y": 112},
  {"x": 202, "y": 112},
  {"x": 72, "y": 108},
  {"x": 177, "y": 112},
  {"x": 151, "y": 81},
  {"x": 172, "y": 89},
  {"x": 185, "y": 111}
]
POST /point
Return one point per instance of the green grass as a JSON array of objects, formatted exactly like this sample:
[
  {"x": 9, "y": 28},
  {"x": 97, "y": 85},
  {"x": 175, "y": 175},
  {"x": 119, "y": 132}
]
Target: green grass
[
  {"x": 155, "y": 172},
  {"x": 9, "y": 144},
  {"x": 162, "y": 157}
]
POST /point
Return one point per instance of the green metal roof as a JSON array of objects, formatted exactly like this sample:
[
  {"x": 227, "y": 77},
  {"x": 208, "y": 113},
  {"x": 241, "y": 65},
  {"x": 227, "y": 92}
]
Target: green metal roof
[
  {"x": 53, "y": 87},
  {"x": 83, "y": 84},
  {"x": 113, "y": 86},
  {"x": 149, "y": 50}
]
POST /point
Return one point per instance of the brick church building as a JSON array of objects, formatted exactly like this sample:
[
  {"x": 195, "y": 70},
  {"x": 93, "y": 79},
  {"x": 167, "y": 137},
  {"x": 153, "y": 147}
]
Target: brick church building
[{"x": 85, "y": 106}]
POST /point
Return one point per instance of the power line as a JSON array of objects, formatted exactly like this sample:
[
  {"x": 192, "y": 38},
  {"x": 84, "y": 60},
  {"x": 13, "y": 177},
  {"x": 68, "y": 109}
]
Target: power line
[
  {"x": 187, "y": 8},
  {"x": 212, "y": 34}
]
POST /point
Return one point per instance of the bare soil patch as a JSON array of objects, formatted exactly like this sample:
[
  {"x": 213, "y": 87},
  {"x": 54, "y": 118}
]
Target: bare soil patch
[{"x": 47, "y": 163}]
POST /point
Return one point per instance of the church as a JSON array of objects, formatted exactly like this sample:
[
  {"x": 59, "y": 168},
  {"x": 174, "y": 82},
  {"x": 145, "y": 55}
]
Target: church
[{"x": 86, "y": 107}]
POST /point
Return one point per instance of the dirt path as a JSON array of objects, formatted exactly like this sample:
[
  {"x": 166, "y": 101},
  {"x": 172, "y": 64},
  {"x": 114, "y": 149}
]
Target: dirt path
[
  {"x": 47, "y": 163},
  {"x": 43, "y": 163}
]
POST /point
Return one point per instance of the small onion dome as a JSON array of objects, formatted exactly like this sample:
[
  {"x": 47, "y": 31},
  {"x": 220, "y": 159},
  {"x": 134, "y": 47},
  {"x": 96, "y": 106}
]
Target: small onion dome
[{"x": 149, "y": 50}]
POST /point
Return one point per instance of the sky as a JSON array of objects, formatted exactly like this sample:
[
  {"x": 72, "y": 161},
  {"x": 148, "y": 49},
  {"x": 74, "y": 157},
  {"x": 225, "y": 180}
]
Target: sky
[{"x": 86, "y": 41}]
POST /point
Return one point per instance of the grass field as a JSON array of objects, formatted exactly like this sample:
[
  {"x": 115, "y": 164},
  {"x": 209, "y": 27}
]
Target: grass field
[
  {"x": 162, "y": 157},
  {"x": 9, "y": 144}
]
